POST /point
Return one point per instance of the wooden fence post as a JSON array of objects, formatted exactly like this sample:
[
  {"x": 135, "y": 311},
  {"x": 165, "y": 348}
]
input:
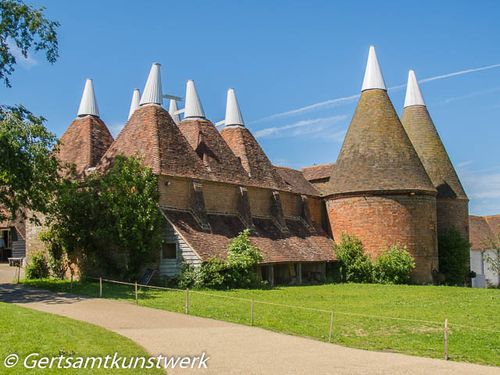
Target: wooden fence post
[
  {"x": 18, "y": 271},
  {"x": 331, "y": 327},
  {"x": 71, "y": 282},
  {"x": 251, "y": 312},
  {"x": 186, "y": 302},
  {"x": 100, "y": 287},
  {"x": 136, "y": 298},
  {"x": 446, "y": 339}
]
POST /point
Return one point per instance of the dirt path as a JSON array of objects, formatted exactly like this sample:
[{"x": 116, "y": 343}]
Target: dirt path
[{"x": 233, "y": 349}]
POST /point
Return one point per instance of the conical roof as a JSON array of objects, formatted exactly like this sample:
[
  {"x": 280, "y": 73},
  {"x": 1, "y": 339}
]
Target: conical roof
[
  {"x": 210, "y": 147},
  {"x": 373, "y": 74},
  {"x": 252, "y": 157},
  {"x": 84, "y": 143},
  {"x": 152, "y": 135},
  {"x": 134, "y": 104},
  {"x": 88, "y": 103},
  {"x": 425, "y": 138},
  {"x": 193, "y": 107},
  {"x": 152, "y": 93},
  {"x": 377, "y": 154},
  {"x": 233, "y": 113},
  {"x": 413, "y": 94},
  {"x": 172, "y": 111}
]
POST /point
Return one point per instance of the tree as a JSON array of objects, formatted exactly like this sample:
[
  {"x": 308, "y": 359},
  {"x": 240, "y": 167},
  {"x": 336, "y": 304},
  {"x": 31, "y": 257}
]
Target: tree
[
  {"x": 27, "y": 164},
  {"x": 453, "y": 251},
  {"x": 24, "y": 27},
  {"x": 110, "y": 221},
  {"x": 28, "y": 167},
  {"x": 493, "y": 262}
]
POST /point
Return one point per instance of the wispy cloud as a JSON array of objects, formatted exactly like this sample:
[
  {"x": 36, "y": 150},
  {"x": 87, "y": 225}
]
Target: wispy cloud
[
  {"x": 303, "y": 127},
  {"x": 349, "y": 99},
  {"x": 470, "y": 95},
  {"x": 465, "y": 163},
  {"x": 482, "y": 185},
  {"x": 309, "y": 108},
  {"x": 27, "y": 62}
]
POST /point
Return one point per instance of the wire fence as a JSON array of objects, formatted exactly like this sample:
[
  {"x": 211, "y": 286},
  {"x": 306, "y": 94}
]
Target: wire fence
[{"x": 419, "y": 336}]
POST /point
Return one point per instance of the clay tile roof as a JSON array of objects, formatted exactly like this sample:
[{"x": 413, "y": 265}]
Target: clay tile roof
[
  {"x": 252, "y": 157},
  {"x": 152, "y": 135},
  {"x": 318, "y": 172},
  {"x": 210, "y": 147},
  {"x": 295, "y": 179},
  {"x": 299, "y": 245},
  {"x": 377, "y": 154},
  {"x": 84, "y": 142},
  {"x": 494, "y": 223},
  {"x": 481, "y": 232},
  {"x": 425, "y": 138}
]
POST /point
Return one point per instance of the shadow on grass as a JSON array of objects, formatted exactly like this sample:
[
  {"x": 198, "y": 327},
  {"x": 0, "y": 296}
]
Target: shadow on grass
[{"x": 18, "y": 294}]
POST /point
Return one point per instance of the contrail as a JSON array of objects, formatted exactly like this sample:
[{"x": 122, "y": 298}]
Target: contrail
[
  {"x": 349, "y": 99},
  {"x": 460, "y": 73}
]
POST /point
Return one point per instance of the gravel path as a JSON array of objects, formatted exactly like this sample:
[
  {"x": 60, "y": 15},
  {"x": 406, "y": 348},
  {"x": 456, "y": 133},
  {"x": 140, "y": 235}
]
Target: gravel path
[{"x": 232, "y": 348}]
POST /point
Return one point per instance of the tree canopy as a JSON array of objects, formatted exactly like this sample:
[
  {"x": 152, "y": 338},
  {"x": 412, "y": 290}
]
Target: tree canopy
[
  {"x": 25, "y": 28},
  {"x": 28, "y": 168},
  {"x": 109, "y": 220}
]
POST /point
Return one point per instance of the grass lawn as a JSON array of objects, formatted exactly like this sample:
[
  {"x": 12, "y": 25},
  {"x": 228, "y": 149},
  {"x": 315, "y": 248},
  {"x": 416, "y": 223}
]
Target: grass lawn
[
  {"x": 396, "y": 318},
  {"x": 24, "y": 331}
]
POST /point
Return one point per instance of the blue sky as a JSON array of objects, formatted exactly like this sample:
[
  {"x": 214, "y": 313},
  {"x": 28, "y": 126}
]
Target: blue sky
[{"x": 281, "y": 56}]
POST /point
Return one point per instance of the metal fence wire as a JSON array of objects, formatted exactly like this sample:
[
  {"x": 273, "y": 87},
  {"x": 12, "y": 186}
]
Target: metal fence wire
[{"x": 328, "y": 325}]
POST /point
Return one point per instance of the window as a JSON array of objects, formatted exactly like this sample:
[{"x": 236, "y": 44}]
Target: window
[
  {"x": 169, "y": 251},
  {"x": 5, "y": 239}
]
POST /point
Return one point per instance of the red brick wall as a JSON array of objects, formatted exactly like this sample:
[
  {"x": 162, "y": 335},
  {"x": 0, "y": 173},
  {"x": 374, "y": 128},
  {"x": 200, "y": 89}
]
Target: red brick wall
[
  {"x": 453, "y": 213},
  {"x": 380, "y": 221}
]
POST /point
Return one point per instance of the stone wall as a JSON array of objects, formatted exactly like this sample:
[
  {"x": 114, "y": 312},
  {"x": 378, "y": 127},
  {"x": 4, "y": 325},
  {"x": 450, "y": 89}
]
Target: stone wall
[{"x": 383, "y": 220}]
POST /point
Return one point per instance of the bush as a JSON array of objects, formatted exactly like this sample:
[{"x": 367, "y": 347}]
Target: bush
[
  {"x": 213, "y": 274},
  {"x": 394, "y": 266},
  {"x": 237, "y": 271},
  {"x": 453, "y": 251},
  {"x": 37, "y": 268},
  {"x": 355, "y": 266},
  {"x": 187, "y": 277},
  {"x": 57, "y": 255}
]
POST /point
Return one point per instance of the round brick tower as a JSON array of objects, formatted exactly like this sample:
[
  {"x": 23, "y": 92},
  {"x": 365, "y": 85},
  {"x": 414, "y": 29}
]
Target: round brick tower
[
  {"x": 379, "y": 190},
  {"x": 452, "y": 202}
]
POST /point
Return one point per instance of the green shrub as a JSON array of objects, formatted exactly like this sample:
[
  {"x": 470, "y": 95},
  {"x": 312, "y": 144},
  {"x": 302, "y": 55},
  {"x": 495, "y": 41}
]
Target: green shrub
[
  {"x": 242, "y": 261},
  {"x": 453, "y": 251},
  {"x": 37, "y": 268},
  {"x": 355, "y": 265},
  {"x": 56, "y": 254},
  {"x": 394, "y": 266},
  {"x": 237, "y": 271},
  {"x": 187, "y": 277},
  {"x": 213, "y": 274}
]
